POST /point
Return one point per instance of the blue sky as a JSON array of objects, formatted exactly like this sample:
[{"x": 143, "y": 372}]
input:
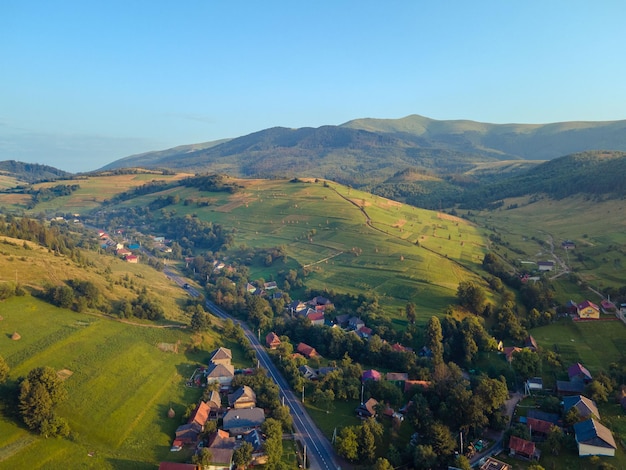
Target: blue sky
[{"x": 86, "y": 83}]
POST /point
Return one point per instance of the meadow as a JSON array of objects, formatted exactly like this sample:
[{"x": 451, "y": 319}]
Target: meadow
[
  {"x": 348, "y": 240},
  {"x": 120, "y": 386},
  {"x": 598, "y": 228}
]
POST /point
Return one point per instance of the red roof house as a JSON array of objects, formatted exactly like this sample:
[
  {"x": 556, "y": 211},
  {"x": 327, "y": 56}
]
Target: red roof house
[
  {"x": 272, "y": 340},
  {"x": 523, "y": 448},
  {"x": 371, "y": 374},
  {"x": 307, "y": 351}
]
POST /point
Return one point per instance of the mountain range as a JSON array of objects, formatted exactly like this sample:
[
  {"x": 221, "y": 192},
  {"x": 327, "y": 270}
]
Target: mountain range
[{"x": 371, "y": 151}]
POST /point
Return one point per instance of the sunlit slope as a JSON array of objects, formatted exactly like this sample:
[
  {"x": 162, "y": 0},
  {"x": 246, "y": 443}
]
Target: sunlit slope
[{"x": 349, "y": 240}]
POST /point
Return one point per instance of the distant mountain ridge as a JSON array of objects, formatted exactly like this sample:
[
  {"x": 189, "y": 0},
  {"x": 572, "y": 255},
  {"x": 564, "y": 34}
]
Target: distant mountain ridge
[
  {"x": 369, "y": 151},
  {"x": 31, "y": 172}
]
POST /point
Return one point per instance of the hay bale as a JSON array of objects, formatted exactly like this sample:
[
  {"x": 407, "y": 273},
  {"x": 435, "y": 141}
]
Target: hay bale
[{"x": 16, "y": 336}]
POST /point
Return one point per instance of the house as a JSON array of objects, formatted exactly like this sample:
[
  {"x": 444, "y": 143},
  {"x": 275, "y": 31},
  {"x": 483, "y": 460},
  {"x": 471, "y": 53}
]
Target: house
[
  {"x": 201, "y": 414},
  {"x": 178, "y": 466},
  {"x": 215, "y": 404},
  {"x": 568, "y": 245},
  {"x": 188, "y": 434},
  {"x": 534, "y": 384},
  {"x": 364, "y": 332},
  {"x": 367, "y": 409},
  {"x": 538, "y": 426},
  {"x": 523, "y": 448},
  {"x": 542, "y": 415},
  {"x": 509, "y": 351},
  {"x": 322, "y": 371},
  {"x": 594, "y": 439},
  {"x": 398, "y": 378},
  {"x": 256, "y": 440},
  {"x": 397, "y": 347},
  {"x": 578, "y": 372},
  {"x": 238, "y": 422},
  {"x": 307, "y": 351},
  {"x": 531, "y": 343},
  {"x": 222, "y": 447},
  {"x": 272, "y": 340},
  {"x": 409, "y": 384},
  {"x": 316, "y": 318},
  {"x": 307, "y": 372},
  {"x": 355, "y": 323},
  {"x": 123, "y": 252},
  {"x": 270, "y": 285},
  {"x": 131, "y": 259},
  {"x": 494, "y": 464},
  {"x": 586, "y": 407},
  {"x": 608, "y": 307},
  {"x": 342, "y": 320},
  {"x": 243, "y": 397},
  {"x": 371, "y": 374},
  {"x": 296, "y": 307},
  {"x": 134, "y": 246},
  {"x": 221, "y": 356},
  {"x": 425, "y": 352},
  {"x": 319, "y": 300},
  {"x": 588, "y": 309},
  {"x": 545, "y": 265},
  {"x": 566, "y": 388},
  {"x": 223, "y": 374},
  {"x": 250, "y": 288}
]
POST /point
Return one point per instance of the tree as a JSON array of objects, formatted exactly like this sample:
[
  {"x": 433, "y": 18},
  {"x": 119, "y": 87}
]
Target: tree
[
  {"x": 411, "y": 312},
  {"x": 273, "y": 445},
  {"x": 203, "y": 458},
  {"x": 200, "y": 321},
  {"x": 434, "y": 338},
  {"x": 525, "y": 363},
  {"x": 243, "y": 456},
  {"x": 40, "y": 392},
  {"x": 4, "y": 370},
  {"x": 382, "y": 464},
  {"x": 463, "y": 463},
  {"x": 471, "y": 296},
  {"x": 424, "y": 457},
  {"x": 441, "y": 440},
  {"x": 554, "y": 440},
  {"x": 598, "y": 392},
  {"x": 347, "y": 445}
]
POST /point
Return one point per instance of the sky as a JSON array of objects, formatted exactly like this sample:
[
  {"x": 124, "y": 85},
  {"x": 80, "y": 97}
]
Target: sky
[{"x": 85, "y": 83}]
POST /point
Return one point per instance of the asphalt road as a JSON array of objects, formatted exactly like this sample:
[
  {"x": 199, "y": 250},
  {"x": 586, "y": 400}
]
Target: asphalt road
[{"x": 320, "y": 454}]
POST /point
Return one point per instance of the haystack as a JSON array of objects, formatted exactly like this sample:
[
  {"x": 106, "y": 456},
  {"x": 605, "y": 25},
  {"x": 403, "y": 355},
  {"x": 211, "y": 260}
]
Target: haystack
[{"x": 16, "y": 336}]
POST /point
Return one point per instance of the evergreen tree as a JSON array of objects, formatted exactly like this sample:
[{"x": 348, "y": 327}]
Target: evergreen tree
[{"x": 434, "y": 338}]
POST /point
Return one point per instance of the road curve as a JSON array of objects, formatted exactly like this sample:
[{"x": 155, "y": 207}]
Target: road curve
[{"x": 320, "y": 454}]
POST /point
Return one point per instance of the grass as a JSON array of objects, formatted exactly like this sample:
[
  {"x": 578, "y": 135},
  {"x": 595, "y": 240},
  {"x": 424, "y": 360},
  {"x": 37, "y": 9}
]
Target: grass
[
  {"x": 119, "y": 392},
  {"x": 597, "y": 228},
  {"x": 325, "y": 230}
]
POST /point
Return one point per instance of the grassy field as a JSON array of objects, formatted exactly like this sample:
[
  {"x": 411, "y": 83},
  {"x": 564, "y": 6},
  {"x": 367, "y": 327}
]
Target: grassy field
[
  {"x": 34, "y": 267},
  {"x": 120, "y": 388},
  {"x": 597, "y": 228},
  {"x": 93, "y": 190},
  {"x": 402, "y": 254}
]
